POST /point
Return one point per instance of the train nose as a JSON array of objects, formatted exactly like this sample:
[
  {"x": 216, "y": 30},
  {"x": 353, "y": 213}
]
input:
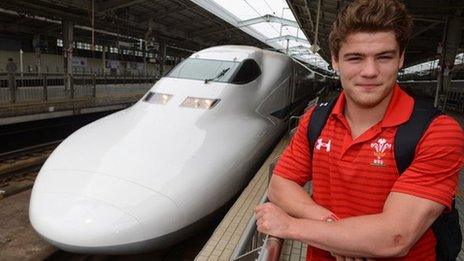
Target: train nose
[
  {"x": 89, "y": 212},
  {"x": 73, "y": 222}
]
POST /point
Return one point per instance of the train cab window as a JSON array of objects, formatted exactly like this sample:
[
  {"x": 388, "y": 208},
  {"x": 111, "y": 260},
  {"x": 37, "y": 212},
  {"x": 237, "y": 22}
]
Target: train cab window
[
  {"x": 248, "y": 71},
  {"x": 204, "y": 69}
]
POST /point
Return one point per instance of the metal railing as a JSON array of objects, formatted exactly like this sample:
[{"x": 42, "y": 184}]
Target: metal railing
[
  {"x": 47, "y": 86},
  {"x": 254, "y": 245}
]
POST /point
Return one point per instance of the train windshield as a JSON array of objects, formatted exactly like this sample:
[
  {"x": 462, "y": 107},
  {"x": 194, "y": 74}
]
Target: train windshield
[{"x": 204, "y": 69}]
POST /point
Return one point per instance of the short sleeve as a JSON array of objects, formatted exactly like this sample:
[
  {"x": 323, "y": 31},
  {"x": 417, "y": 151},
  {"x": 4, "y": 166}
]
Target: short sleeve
[
  {"x": 295, "y": 162},
  {"x": 434, "y": 172}
]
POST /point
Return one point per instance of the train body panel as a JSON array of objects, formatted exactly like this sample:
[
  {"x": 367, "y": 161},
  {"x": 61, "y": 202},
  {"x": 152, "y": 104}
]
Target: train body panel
[{"x": 159, "y": 167}]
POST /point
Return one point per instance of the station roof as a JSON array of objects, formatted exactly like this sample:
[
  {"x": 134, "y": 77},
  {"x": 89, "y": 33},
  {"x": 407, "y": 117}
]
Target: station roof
[
  {"x": 183, "y": 24},
  {"x": 429, "y": 18}
]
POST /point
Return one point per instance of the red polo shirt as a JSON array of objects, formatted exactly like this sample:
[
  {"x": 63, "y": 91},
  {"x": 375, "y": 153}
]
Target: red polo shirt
[{"x": 354, "y": 177}]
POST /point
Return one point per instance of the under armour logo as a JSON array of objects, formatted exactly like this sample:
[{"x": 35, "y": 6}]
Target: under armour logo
[
  {"x": 323, "y": 104},
  {"x": 321, "y": 144}
]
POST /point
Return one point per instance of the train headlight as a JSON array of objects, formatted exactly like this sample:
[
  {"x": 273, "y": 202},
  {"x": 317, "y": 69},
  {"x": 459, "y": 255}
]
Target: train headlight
[
  {"x": 199, "y": 103},
  {"x": 158, "y": 98}
]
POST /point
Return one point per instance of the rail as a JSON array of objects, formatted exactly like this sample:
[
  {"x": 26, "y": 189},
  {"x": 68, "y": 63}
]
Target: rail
[
  {"x": 254, "y": 245},
  {"x": 29, "y": 150},
  {"x": 19, "y": 168},
  {"x": 48, "y": 86}
]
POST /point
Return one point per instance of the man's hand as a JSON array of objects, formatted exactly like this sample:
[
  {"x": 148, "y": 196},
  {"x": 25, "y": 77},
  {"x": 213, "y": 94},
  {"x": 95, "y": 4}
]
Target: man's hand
[
  {"x": 272, "y": 220},
  {"x": 294, "y": 200}
]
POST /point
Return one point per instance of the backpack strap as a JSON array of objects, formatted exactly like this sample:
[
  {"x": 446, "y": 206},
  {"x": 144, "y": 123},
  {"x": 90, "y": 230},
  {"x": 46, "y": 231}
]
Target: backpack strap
[
  {"x": 318, "y": 120},
  {"x": 408, "y": 134},
  {"x": 446, "y": 227}
]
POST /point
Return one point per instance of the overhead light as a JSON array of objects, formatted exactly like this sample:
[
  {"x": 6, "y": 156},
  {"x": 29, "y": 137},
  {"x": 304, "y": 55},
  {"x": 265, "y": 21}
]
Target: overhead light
[{"x": 199, "y": 103}]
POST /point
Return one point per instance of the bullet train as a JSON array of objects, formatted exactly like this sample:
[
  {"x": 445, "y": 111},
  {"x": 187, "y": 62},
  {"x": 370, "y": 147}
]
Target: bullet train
[{"x": 145, "y": 177}]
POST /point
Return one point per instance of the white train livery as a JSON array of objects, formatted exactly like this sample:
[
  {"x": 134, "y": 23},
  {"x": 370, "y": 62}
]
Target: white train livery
[{"x": 143, "y": 178}]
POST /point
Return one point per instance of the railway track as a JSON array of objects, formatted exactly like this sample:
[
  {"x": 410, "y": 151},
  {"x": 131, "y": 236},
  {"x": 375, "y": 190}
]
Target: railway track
[{"x": 19, "y": 168}]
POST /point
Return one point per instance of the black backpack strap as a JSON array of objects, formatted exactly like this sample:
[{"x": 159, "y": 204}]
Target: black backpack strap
[
  {"x": 409, "y": 133},
  {"x": 318, "y": 119},
  {"x": 446, "y": 227},
  {"x": 447, "y": 232}
]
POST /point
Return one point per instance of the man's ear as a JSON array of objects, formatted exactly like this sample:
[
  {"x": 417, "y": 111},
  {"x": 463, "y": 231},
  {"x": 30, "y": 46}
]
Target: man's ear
[
  {"x": 400, "y": 65},
  {"x": 334, "y": 62}
]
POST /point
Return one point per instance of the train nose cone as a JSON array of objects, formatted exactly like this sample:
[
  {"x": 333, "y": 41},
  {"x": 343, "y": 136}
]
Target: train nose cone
[
  {"x": 75, "y": 222},
  {"x": 89, "y": 212}
]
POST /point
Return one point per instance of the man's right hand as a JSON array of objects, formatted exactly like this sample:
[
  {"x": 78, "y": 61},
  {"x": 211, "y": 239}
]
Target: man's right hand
[{"x": 294, "y": 200}]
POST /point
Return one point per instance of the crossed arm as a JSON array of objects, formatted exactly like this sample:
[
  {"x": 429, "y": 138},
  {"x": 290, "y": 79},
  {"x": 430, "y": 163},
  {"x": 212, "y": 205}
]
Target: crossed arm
[{"x": 292, "y": 214}]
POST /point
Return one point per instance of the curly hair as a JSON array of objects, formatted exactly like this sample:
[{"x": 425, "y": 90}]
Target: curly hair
[{"x": 371, "y": 16}]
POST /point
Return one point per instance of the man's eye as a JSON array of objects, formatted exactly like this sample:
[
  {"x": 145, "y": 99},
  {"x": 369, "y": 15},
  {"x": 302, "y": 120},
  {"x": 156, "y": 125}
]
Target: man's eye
[
  {"x": 385, "y": 57},
  {"x": 354, "y": 59}
]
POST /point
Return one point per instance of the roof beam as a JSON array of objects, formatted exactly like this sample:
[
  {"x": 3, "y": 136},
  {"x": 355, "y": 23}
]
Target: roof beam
[
  {"x": 287, "y": 37},
  {"x": 168, "y": 30},
  {"x": 425, "y": 29},
  {"x": 268, "y": 19},
  {"x": 116, "y": 4},
  {"x": 428, "y": 19},
  {"x": 209, "y": 31},
  {"x": 163, "y": 14},
  {"x": 79, "y": 4}
]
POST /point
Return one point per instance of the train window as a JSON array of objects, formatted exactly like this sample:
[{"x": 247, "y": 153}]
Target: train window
[
  {"x": 248, "y": 71},
  {"x": 204, "y": 69}
]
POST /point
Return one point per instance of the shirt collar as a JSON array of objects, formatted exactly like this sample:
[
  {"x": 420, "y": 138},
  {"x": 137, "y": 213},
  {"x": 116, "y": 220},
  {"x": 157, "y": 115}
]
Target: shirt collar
[{"x": 398, "y": 111}]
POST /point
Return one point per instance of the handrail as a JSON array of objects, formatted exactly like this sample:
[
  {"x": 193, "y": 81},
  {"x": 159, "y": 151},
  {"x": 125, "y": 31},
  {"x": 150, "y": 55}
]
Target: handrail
[
  {"x": 252, "y": 246},
  {"x": 271, "y": 249},
  {"x": 268, "y": 249},
  {"x": 247, "y": 237}
]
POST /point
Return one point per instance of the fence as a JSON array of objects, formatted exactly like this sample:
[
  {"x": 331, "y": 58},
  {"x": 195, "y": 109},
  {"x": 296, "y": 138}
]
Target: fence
[{"x": 45, "y": 87}]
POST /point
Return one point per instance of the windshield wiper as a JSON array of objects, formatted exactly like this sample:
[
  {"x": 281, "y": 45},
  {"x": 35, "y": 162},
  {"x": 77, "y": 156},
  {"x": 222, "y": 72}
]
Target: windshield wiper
[{"x": 222, "y": 73}]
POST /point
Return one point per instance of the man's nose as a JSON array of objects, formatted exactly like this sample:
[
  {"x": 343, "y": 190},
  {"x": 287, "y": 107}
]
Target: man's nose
[{"x": 370, "y": 69}]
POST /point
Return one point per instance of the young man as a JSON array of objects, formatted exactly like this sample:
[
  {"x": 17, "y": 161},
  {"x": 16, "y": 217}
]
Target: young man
[{"x": 375, "y": 212}]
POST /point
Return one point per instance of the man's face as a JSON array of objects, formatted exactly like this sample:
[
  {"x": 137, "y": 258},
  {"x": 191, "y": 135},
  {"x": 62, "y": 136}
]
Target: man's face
[{"x": 368, "y": 65}]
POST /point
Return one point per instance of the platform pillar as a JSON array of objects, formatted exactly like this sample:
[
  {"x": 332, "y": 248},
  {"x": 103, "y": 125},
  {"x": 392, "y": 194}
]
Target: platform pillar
[
  {"x": 68, "y": 39},
  {"x": 103, "y": 65},
  {"x": 451, "y": 40},
  {"x": 162, "y": 58}
]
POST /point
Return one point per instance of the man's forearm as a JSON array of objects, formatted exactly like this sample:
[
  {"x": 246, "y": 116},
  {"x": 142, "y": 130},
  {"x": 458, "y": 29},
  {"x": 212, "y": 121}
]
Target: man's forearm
[
  {"x": 404, "y": 219},
  {"x": 294, "y": 200},
  {"x": 363, "y": 236}
]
